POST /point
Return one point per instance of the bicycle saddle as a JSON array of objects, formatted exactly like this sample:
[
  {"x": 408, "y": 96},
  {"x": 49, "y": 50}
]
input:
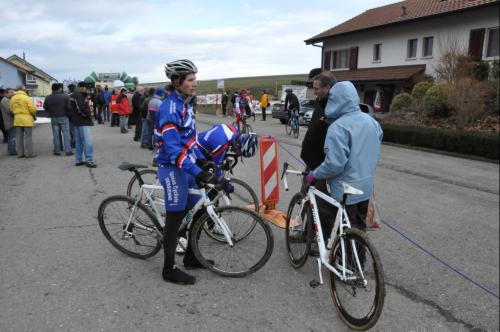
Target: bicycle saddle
[
  {"x": 125, "y": 166},
  {"x": 350, "y": 189}
]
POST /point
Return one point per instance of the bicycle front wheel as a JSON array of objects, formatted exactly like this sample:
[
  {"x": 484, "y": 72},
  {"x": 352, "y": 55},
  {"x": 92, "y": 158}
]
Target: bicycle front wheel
[
  {"x": 243, "y": 196},
  {"x": 288, "y": 127},
  {"x": 246, "y": 256},
  {"x": 141, "y": 238},
  {"x": 358, "y": 299},
  {"x": 247, "y": 129},
  {"x": 298, "y": 231}
]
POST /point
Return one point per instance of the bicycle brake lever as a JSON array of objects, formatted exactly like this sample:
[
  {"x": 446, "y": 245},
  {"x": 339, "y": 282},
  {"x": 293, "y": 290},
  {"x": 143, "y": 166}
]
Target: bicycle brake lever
[{"x": 285, "y": 167}]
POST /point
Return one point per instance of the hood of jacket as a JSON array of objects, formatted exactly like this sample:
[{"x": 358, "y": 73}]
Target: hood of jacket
[{"x": 342, "y": 99}]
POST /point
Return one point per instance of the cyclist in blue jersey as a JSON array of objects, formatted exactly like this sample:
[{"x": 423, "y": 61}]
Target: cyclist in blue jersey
[
  {"x": 215, "y": 142},
  {"x": 175, "y": 134}
]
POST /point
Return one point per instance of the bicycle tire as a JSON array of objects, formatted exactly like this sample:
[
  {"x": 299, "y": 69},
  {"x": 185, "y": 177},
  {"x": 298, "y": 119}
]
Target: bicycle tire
[
  {"x": 211, "y": 254},
  {"x": 288, "y": 127},
  {"x": 298, "y": 236},
  {"x": 243, "y": 196},
  {"x": 114, "y": 231},
  {"x": 133, "y": 185},
  {"x": 247, "y": 129},
  {"x": 369, "y": 310}
]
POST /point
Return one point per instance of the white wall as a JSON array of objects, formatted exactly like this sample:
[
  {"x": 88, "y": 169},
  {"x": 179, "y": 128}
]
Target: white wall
[{"x": 394, "y": 39}]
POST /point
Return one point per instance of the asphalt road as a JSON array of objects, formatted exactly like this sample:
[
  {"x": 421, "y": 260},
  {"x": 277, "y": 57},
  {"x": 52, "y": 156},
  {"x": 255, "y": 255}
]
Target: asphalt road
[{"x": 439, "y": 244}]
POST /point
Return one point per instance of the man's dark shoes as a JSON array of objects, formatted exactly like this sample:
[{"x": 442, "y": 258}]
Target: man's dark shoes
[
  {"x": 80, "y": 163},
  {"x": 57, "y": 153},
  {"x": 90, "y": 164},
  {"x": 178, "y": 276},
  {"x": 69, "y": 153}
]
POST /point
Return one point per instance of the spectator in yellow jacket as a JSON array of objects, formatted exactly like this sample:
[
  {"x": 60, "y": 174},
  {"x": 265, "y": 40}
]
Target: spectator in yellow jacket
[
  {"x": 264, "y": 101},
  {"x": 23, "y": 108}
]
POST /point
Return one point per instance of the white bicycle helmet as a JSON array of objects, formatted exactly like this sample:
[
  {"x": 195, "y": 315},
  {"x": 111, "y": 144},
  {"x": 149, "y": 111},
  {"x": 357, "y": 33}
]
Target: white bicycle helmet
[
  {"x": 178, "y": 68},
  {"x": 248, "y": 144}
]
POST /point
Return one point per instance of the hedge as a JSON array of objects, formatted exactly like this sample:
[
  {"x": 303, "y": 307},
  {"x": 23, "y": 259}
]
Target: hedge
[{"x": 463, "y": 142}]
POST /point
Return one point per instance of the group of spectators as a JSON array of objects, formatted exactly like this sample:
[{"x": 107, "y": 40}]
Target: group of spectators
[{"x": 241, "y": 103}]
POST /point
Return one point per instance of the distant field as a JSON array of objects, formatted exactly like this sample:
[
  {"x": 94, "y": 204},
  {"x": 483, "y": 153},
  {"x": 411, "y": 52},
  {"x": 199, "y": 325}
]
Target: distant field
[{"x": 271, "y": 83}]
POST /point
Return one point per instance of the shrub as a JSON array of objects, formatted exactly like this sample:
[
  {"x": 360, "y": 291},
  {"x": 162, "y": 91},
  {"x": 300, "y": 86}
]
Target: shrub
[
  {"x": 467, "y": 98},
  {"x": 436, "y": 101},
  {"x": 481, "y": 70},
  {"x": 402, "y": 102},
  {"x": 464, "y": 142},
  {"x": 419, "y": 90}
]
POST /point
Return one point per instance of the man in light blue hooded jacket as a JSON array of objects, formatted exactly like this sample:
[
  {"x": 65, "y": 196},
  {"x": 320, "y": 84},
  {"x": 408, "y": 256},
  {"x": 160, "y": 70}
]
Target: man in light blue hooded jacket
[{"x": 352, "y": 149}]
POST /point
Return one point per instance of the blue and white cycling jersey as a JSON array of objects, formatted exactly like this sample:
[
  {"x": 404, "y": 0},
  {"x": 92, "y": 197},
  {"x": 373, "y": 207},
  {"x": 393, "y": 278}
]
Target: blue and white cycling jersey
[
  {"x": 175, "y": 133},
  {"x": 216, "y": 141}
]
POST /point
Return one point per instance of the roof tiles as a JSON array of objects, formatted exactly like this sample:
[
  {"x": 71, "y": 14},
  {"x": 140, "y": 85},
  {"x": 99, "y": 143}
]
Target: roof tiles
[{"x": 394, "y": 14}]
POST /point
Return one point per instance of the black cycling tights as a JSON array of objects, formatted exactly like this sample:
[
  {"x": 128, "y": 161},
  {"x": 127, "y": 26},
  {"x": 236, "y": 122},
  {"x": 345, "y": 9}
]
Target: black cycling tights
[{"x": 173, "y": 221}]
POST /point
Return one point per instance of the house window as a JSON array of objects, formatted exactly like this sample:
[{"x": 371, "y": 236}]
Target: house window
[
  {"x": 30, "y": 78},
  {"x": 340, "y": 59},
  {"x": 492, "y": 43},
  {"x": 428, "y": 43},
  {"x": 412, "y": 49},
  {"x": 377, "y": 52}
]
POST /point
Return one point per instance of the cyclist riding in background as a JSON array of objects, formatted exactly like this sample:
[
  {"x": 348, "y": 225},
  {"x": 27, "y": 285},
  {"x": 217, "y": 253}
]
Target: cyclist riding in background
[
  {"x": 175, "y": 134},
  {"x": 242, "y": 105},
  {"x": 291, "y": 103}
]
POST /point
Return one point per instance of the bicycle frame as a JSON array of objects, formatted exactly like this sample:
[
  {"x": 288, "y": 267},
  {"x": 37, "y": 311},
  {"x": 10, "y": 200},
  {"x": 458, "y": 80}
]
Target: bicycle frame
[
  {"x": 204, "y": 201},
  {"x": 341, "y": 224}
]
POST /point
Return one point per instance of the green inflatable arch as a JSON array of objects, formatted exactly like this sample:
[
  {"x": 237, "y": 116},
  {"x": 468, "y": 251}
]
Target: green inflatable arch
[{"x": 124, "y": 77}]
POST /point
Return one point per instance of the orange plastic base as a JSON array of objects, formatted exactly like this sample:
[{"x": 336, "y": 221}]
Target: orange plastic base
[{"x": 275, "y": 217}]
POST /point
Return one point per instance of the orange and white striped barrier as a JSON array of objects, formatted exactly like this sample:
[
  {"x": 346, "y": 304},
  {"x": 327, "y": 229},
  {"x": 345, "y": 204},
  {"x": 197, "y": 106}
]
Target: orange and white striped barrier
[{"x": 269, "y": 180}]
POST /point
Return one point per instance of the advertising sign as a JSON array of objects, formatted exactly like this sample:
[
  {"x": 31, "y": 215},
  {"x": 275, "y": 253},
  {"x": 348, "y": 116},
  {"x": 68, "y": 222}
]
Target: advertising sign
[
  {"x": 39, "y": 103},
  {"x": 220, "y": 84}
]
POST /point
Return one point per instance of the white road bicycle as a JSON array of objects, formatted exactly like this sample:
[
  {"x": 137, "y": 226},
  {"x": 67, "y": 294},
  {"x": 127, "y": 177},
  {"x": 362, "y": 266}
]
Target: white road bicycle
[
  {"x": 241, "y": 193},
  {"x": 353, "y": 266},
  {"x": 135, "y": 230}
]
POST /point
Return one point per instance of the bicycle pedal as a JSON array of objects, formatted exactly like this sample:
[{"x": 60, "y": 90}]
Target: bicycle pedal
[{"x": 314, "y": 283}]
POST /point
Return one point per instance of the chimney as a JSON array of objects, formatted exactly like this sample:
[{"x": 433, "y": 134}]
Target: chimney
[
  {"x": 404, "y": 13},
  {"x": 24, "y": 57}
]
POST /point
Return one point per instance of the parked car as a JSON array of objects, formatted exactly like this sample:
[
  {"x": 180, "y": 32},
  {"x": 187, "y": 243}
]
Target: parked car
[
  {"x": 365, "y": 108},
  {"x": 278, "y": 110}
]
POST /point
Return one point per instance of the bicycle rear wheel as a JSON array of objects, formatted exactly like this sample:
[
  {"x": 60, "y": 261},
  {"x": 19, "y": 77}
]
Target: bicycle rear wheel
[
  {"x": 149, "y": 176},
  {"x": 141, "y": 239},
  {"x": 243, "y": 196},
  {"x": 246, "y": 256},
  {"x": 298, "y": 231},
  {"x": 359, "y": 300},
  {"x": 288, "y": 127}
]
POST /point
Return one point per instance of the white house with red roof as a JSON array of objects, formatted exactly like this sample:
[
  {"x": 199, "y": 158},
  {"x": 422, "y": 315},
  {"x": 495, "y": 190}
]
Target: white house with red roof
[{"x": 387, "y": 49}]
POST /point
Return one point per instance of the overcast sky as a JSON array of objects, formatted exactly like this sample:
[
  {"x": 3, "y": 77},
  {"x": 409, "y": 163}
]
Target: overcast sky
[{"x": 69, "y": 39}]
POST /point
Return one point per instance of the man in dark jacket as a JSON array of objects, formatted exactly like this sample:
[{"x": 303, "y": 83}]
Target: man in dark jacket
[
  {"x": 57, "y": 106},
  {"x": 224, "y": 100},
  {"x": 314, "y": 141},
  {"x": 99, "y": 103},
  {"x": 80, "y": 117},
  {"x": 137, "y": 98}
]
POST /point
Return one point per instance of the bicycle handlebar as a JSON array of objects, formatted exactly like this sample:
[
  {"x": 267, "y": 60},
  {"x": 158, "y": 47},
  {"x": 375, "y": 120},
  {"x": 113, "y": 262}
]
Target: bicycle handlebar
[{"x": 286, "y": 170}]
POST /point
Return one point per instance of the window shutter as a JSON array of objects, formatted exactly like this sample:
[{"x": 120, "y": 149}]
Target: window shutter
[
  {"x": 476, "y": 42},
  {"x": 326, "y": 63},
  {"x": 353, "y": 58},
  {"x": 335, "y": 56}
]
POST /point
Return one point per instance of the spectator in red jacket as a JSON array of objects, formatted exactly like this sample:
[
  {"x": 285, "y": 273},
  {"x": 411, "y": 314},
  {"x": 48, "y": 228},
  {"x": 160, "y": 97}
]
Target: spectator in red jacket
[{"x": 123, "y": 108}]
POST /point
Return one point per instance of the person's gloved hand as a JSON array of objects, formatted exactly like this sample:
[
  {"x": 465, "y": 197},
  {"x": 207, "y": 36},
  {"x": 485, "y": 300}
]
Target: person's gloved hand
[
  {"x": 205, "y": 177},
  {"x": 309, "y": 180},
  {"x": 229, "y": 188}
]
